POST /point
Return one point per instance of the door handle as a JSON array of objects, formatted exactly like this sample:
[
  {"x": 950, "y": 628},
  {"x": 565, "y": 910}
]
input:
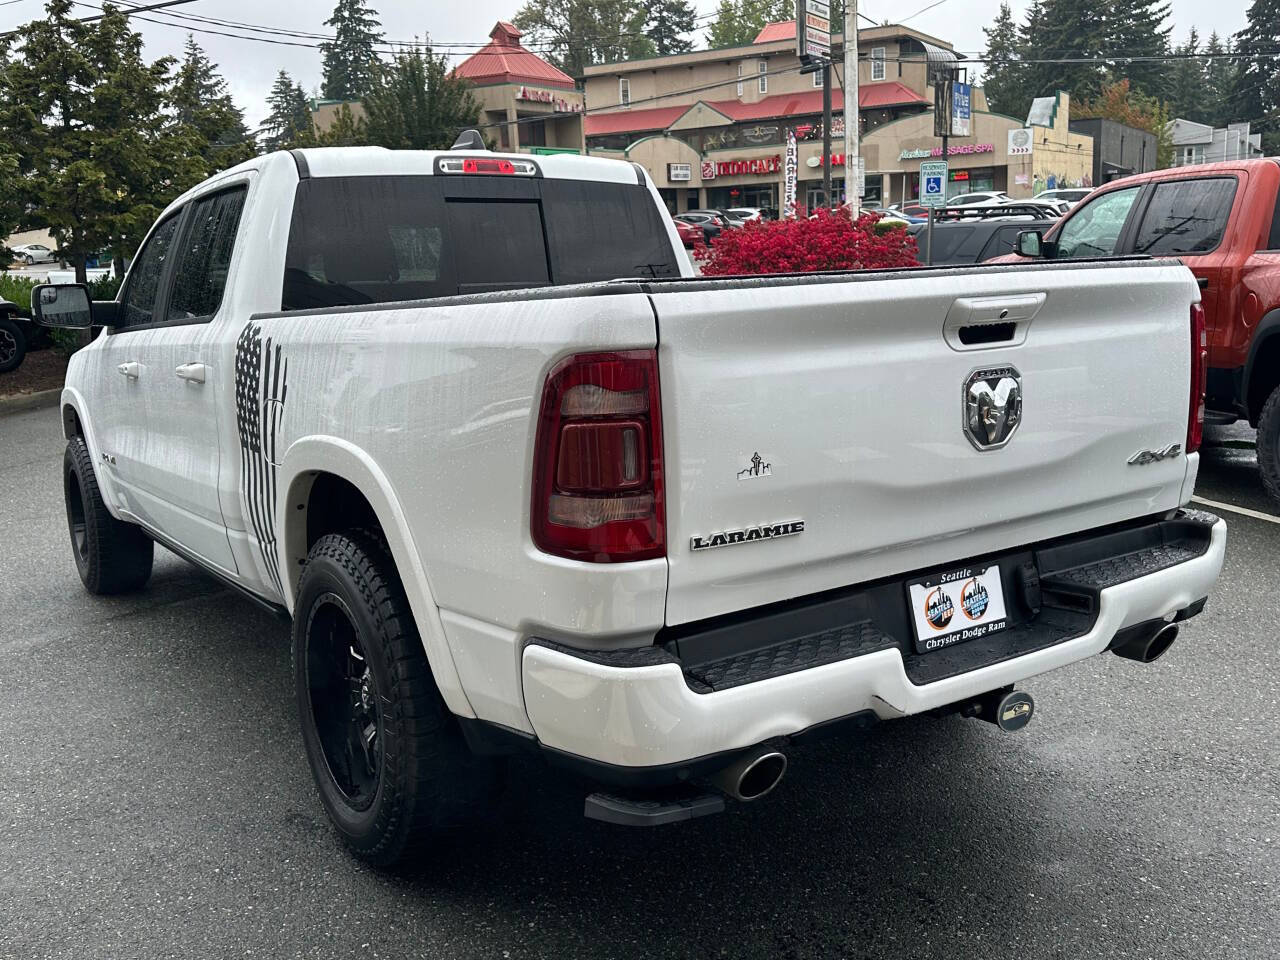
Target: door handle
[
  {"x": 1203, "y": 282},
  {"x": 131, "y": 369},
  {"x": 192, "y": 372}
]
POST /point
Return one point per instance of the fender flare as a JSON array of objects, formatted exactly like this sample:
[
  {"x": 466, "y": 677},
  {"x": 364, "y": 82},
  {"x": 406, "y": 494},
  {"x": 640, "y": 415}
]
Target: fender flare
[
  {"x": 310, "y": 455},
  {"x": 1268, "y": 328}
]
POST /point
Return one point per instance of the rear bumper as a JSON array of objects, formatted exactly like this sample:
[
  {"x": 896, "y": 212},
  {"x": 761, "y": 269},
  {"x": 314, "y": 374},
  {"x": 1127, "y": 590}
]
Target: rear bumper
[{"x": 646, "y": 709}]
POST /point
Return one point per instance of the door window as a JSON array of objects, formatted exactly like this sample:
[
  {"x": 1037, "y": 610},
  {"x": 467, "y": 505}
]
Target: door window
[
  {"x": 1095, "y": 229},
  {"x": 139, "y": 303},
  {"x": 204, "y": 256},
  {"x": 1185, "y": 216}
]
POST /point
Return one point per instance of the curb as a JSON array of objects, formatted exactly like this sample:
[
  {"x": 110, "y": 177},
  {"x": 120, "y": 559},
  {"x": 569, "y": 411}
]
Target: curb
[{"x": 30, "y": 401}]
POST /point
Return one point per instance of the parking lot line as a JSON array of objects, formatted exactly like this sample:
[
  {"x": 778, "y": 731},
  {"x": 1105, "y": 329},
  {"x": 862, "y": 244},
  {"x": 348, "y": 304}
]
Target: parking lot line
[{"x": 1257, "y": 515}]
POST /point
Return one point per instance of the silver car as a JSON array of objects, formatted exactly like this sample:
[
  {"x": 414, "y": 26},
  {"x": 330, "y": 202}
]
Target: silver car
[{"x": 33, "y": 253}]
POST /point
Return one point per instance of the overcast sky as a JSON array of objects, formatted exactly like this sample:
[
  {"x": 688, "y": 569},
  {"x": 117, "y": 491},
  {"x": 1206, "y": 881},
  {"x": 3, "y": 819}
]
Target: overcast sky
[{"x": 250, "y": 66}]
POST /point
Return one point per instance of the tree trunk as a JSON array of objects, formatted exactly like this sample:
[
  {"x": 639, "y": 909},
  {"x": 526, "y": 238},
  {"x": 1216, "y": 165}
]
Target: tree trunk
[
  {"x": 118, "y": 262},
  {"x": 82, "y": 272}
]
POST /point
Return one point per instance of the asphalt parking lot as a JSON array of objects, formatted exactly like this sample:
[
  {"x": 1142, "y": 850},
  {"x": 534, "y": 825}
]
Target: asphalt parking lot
[{"x": 155, "y": 801}]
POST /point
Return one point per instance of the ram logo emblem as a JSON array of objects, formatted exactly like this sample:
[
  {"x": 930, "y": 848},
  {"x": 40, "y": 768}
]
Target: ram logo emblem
[{"x": 992, "y": 406}]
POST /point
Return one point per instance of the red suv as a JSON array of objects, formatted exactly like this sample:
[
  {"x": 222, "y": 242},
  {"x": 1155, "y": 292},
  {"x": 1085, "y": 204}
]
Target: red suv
[{"x": 1223, "y": 221}]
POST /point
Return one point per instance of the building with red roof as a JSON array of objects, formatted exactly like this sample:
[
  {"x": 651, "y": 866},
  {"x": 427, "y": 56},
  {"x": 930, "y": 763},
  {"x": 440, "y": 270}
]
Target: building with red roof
[
  {"x": 710, "y": 126},
  {"x": 527, "y": 104}
]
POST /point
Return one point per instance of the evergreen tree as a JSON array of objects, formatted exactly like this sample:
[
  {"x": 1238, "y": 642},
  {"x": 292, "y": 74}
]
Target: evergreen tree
[
  {"x": 416, "y": 104},
  {"x": 350, "y": 60},
  {"x": 290, "y": 118},
  {"x": 578, "y": 33},
  {"x": 200, "y": 101},
  {"x": 738, "y": 22},
  {"x": 1219, "y": 80},
  {"x": 1138, "y": 28},
  {"x": 1004, "y": 79},
  {"x": 1255, "y": 93},
  {"x": 97, "y": 154},
  {"x": 1064, "y": 30},
  {"x": 1188, "y": 90},
  {"x": 668, "y": 26}
]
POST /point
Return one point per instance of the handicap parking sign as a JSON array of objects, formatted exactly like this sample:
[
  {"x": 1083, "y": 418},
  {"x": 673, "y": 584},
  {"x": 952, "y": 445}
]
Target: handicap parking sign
[{"x": 933, "y": 183}]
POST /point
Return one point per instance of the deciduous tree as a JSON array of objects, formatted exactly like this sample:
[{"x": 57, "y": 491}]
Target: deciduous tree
[{"x": 1117, "y": 101}]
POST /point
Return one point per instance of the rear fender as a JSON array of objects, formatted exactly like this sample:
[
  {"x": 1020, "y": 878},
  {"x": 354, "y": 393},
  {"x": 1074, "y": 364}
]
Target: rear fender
[
  {"x": 1262, "y": 378},
  {"x": 315, "y": 454}
]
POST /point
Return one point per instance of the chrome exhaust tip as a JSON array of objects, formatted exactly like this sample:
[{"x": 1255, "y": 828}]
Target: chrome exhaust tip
[
  {"x": 1150, "y": 647},
  {"x": 753, "y": 776}
]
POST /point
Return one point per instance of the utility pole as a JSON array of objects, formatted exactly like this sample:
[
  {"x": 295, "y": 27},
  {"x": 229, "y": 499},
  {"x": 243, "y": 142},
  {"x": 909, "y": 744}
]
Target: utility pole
[
  {"x": 826, "y": 137},
  {"x": 851, "y": 102}
]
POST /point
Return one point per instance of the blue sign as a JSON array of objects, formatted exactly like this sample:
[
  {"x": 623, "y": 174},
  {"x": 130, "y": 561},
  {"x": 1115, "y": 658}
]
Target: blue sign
[{"x": 961, "y": 109}]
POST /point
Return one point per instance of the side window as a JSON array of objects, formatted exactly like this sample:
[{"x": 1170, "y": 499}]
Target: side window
[
  {"x": 1273, "y": 239},
  {"x": 139, "y": 303},
  {"x": 1003, "y": 241},
  {"x": 1186, "y": 216},
  {"x": 1095, "y": 228},
  {"x": 204, "y": 256},
  {"x": 877, "y": 63}
]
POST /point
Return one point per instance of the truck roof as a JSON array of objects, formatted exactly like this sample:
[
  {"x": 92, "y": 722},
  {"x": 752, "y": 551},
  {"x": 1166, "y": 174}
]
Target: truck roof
[
  {"x": 1194, "y": 170},
  {"x": 379, "y": 161}
]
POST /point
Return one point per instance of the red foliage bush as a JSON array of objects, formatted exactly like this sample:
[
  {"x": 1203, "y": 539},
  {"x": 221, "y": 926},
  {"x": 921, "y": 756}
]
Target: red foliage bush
[{"x": 830, "y": 241}]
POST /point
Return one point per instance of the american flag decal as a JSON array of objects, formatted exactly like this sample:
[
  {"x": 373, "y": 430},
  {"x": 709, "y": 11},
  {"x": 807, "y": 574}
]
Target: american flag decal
[{"x": 261, "y": 385}]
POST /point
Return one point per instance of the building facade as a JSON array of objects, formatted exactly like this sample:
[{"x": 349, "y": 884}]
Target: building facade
[
  {"x": 1119, "y": 150},
  {"x": 526, "y": 104},
  {"x": 1200, "y": 143},
  {"x": 710, "y": 126}
]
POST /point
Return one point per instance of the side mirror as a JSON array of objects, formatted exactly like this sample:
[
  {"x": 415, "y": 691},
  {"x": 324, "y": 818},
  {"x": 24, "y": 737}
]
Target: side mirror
[
  {"x": 1029, "y": 243},
  {"x": 63, "y": 305}
]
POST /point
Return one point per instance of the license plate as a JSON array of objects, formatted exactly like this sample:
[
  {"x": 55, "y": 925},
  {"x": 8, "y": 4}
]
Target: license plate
[{"x": 956, "y": 606}]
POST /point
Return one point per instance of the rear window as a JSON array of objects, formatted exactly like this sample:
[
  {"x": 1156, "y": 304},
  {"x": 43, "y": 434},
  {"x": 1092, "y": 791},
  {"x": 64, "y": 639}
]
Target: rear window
[
  {"x": 361, "y": 240},
  {"x": 1185, "y": 216}
]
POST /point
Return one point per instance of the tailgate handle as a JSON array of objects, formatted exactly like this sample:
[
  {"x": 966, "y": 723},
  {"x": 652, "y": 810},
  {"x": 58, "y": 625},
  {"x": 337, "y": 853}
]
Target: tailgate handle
[{"x": 973, "y": 323}]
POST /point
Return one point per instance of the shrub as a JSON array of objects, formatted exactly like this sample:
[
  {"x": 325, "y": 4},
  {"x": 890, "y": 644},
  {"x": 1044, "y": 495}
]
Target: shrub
[
  {"x": 16, "y": 290},
  {"x": 830, "y": 241}
]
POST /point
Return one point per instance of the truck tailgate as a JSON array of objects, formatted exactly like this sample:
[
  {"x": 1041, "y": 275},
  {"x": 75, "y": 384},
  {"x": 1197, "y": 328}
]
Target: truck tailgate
[{"x": 839, "y": 403}]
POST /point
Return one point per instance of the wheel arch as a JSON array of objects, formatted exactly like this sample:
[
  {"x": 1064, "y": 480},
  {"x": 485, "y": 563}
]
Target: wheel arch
[
  {"x": 1262, "y": 371},
  {"x": 314, "y": 465}
]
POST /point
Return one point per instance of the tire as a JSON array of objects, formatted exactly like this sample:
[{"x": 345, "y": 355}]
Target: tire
[
  {"x": 1269, "y": 445},
  {"x": 28, "y": 259},
  {"x": 13, "y": 345},
  {"x": 388, "y": 758},
  {"x": 111, "y": 556}
]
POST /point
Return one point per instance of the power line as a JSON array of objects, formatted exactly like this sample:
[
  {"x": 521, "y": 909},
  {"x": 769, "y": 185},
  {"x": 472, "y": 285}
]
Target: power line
[{"x": 125, "y": 12}]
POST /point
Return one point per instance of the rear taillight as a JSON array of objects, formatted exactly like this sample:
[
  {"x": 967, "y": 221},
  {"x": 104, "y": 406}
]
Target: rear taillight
[
  {"x": 1199, "y": 377},
  {"x": 597, "y": 475}
]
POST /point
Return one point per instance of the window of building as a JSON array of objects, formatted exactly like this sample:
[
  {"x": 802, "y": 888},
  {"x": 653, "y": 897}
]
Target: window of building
[
  {"x": 624, "y": 91},
  {"x": 739, "y": 78},
  {"x": 762, "y": 68},
  {"x": 533, "y": 133},
  {"x": 817, "y": 77},
  {"x": 877, "y": 63}
]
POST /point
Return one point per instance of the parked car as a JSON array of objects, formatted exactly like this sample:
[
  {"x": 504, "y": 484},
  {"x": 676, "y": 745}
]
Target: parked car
[
  {"x": 711, "y": 224},
  {"x": 746, "y": 214},
  {"x": 637, "y": 527},
  {"x": 726, "y": 218},
  {"x": 976, "y": 234},
  {"x": 1070, "y": 195},
  {"x": 16, "y": 336},
  {"x": 980, "y": 197},
  {"x": 690, "y": 233},
  {"x": 30, "y": 253},
  {"x": 1220, "y": 220}
]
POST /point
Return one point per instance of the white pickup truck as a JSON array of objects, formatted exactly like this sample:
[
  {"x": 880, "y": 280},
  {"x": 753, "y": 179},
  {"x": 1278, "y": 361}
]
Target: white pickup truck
[{"x": 654, "y": 529}]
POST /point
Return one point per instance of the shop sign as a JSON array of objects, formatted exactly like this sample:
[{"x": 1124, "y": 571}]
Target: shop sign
[
  {"x": 960, "y": 175},
  {"x": 953, "y": 150},
  {"x": 534, "y": 95},
  {"x": 679, "y": 172},
  {"x": 708, "y": 169},
  {"x": 814, "y": 41},
  {"x": 1020, "y": 141},
  {"x": 757, "y": 165},
  {"x": 791, "y": 177}
]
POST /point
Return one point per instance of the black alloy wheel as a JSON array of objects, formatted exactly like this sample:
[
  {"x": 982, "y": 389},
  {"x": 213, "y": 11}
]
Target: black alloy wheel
[{"x": 344, "y": 702}]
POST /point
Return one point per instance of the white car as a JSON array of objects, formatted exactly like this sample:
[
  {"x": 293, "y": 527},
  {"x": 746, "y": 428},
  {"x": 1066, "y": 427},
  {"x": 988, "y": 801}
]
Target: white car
[
  {"x": 1068, "y": 195},
  {"x": 745, "y": 213},
  {"x": 982, "y": 197},
  {"x": 33, "y": 253},
  {"x": 574, "y": 501}
]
